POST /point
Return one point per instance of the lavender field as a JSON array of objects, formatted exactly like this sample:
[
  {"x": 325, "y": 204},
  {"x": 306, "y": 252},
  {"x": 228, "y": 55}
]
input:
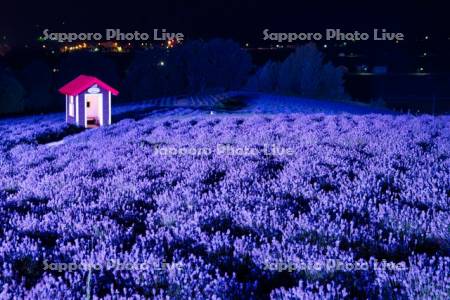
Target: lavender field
[{"x": 251, "y": 206}]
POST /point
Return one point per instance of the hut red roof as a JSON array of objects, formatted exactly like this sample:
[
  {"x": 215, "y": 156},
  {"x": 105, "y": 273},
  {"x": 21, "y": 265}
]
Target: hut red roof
[{"x": 82, "y": 83}]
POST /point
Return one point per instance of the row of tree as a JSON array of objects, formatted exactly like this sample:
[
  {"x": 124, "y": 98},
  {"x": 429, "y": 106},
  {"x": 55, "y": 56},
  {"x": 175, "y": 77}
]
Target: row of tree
[
  {"x": 303, "y": 73},
  {"x": 197, "y": 67}
]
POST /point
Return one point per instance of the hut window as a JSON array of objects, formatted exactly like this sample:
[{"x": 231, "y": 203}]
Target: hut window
[
  {"x": 88, "y": 104},
  {"x": 71, "y": 106}
]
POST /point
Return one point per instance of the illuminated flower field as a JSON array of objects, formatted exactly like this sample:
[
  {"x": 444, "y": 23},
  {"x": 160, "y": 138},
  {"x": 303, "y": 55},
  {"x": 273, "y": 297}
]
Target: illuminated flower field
[{"x": 355, "y": 189}]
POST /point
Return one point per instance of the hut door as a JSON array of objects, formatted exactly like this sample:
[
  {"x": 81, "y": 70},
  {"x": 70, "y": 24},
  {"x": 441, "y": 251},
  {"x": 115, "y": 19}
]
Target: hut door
[{"x": 94, "y": 109}]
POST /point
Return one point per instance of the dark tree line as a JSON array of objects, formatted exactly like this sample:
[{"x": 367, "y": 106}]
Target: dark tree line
[
  {"x": 196, "y": 68},
  {"x": 303, "y": 73},
  {"x": 11, "y": 93}
]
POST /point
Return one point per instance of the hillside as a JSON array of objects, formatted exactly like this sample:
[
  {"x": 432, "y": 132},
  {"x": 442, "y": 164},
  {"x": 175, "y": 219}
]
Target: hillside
[{"x": 237, "y": 205}]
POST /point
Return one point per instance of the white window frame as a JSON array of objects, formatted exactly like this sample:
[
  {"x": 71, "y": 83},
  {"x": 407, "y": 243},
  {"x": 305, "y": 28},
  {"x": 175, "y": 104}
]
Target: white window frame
[
  {"x": 77, "y": 111},
  {"x": 71, "y": 107},
  {"x": 100, "y": 107}
]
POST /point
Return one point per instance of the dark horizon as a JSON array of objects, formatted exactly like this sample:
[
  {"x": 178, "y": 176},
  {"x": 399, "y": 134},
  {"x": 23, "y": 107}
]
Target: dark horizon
[
  {"x": 418, "y": 65},
  {"x": 22, "y": 23}
]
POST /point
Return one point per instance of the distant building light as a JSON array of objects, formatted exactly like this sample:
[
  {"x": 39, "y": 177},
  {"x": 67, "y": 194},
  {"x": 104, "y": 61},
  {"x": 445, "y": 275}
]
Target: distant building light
[
  {"x": 246, "y": 44},
  {"x": 170, "y": 44},
  {"x": 362, "y": 68},
  {"x": 424, "y": 54},
  {"x": 427, "y": 37},
  {"x": 325, "y": 46},
  {"x": 162, "y": 63}
]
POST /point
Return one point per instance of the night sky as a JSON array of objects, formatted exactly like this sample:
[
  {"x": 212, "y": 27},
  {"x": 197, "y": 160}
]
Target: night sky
[{"x": 23, "y": 21}]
